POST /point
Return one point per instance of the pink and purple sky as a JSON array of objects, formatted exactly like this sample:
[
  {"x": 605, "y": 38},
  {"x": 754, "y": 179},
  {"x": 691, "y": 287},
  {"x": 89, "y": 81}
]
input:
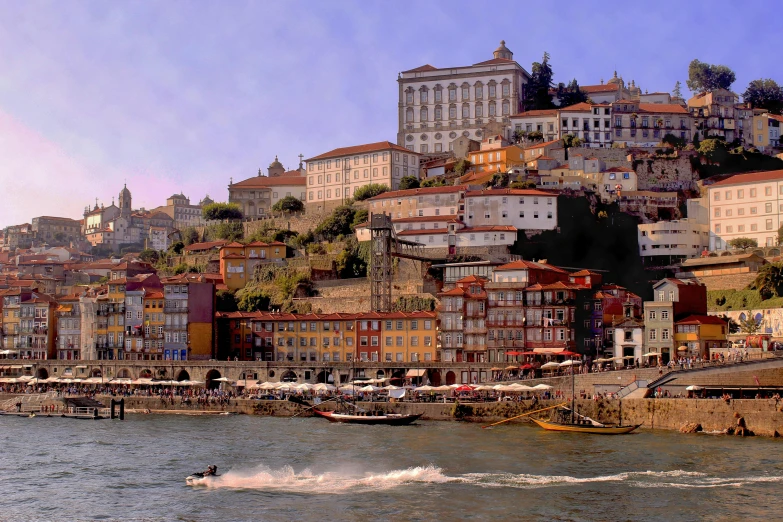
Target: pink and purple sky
[{"x": 182, "y": 96}]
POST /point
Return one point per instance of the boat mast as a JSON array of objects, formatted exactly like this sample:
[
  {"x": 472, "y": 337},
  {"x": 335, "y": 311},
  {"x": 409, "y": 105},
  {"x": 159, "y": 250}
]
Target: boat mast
[{"x": 573, "y": 393}]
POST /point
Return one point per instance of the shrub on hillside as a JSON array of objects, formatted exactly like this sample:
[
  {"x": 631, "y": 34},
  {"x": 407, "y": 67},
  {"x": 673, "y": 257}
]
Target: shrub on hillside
[{"x": 369, "y": 191}]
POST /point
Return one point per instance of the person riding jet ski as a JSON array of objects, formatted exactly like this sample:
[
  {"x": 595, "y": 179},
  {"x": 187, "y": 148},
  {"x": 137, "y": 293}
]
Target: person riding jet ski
[{"x": 211, "y": 470}]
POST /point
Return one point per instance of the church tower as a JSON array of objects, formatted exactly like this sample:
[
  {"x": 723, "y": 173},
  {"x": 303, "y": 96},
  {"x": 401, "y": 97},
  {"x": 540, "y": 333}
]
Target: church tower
[
  {"x": 503, "y": 52},
  {"x": 125, "y": 202}
]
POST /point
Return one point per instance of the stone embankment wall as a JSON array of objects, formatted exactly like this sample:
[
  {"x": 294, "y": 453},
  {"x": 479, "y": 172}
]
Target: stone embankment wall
[
  {"x": 728, "y": 281},
  {"x": 762, "y": 416},
  {"x": 611, "y": 157},
  {"x": 353, "y": 295},
  {"x": 668, "y": 174}
]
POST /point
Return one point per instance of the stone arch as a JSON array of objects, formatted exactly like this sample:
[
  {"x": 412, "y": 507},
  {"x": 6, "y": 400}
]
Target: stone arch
[
  {"x": 451, "y": 378},
  {"x": 289, "y": 376},
  {"x": 124, "y": 373},
  {"x": 727, "y": 253},
  {"x": 323, "y": 376},
  {"x": 211, "y": 376},
  {"x": 773, "y": 252},
  {"x": 742, "y": 316},
  {"x": 397, "y": 376},
  {"x": 42, "y": 373},
  {"x": 758, "y": 317},
  {"x": 380, "y": 374},
  {"x": 183, "y": 375},
  {"x": 435, "y": 377},
  {"x": 96, "y": 372},
  {"x": 758, "y": 252},
  {"x": 146, "y": 373}
]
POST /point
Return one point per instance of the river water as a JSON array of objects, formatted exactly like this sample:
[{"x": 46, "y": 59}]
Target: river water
[{"x": 309, "y": 469}]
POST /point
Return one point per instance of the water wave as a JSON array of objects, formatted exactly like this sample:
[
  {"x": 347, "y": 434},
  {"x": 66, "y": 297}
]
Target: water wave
[{"x": 307, "y": 482}]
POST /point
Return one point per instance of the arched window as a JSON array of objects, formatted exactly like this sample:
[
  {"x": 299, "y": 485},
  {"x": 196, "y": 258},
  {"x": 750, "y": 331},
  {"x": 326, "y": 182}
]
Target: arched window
[
  {"x": 479, "y": 91},
  {"x": 452, "y": 112},
  {"x": 409, "y": 96},
  {"x": 423, "y": 116},
  {"x": 409, "y": 115},
  {"x": 506, "y": 107},
  {"x": 479, "y": 110},
  {"x": 438, "y": 113},
  {"x": 423, "y": 95},
  {"x": 465, "y": 110},
  {"x": 492, "y": 110},
  {"x": 452, "y": 92}
]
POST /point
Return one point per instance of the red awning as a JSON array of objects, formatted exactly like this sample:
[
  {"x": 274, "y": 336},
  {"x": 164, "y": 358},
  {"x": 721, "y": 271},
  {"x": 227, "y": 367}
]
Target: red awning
[
  {"x": 526, "y": 367},
  {"x": 514, "y": 353},
  {"x": 567, "y": 353},
  {"x": 463, "y": 388}
]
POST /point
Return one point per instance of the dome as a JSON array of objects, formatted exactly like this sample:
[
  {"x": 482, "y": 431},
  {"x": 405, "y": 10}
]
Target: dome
[
  {"x": 125, "y": 193},
  {"x": 275, "y": 164},
  {"x": 503, "y": 52}
]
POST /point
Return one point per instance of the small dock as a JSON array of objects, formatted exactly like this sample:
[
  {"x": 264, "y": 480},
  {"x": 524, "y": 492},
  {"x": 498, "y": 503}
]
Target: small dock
[{"x": 47, "y": 406}]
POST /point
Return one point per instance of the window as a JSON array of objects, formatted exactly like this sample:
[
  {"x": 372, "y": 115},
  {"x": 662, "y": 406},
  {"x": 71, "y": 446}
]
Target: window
[
  {"x": 767, "y": 208},
  {"x": 769, "y": 224},
  {"x": 653, "y": 334}
]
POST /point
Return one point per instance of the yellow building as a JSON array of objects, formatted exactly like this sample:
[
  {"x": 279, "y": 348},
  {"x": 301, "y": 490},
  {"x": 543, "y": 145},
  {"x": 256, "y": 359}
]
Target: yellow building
[
  {"x": 697, "y": 335},
  {"x": 496, "y": 158},
  {"x": 154, "y": 321},
  {"x": 115, "y": 313},
  {"x": 408, "y": 336},
  {"x": 238, "y": 262},
  {"x": 11, "y": 299}
]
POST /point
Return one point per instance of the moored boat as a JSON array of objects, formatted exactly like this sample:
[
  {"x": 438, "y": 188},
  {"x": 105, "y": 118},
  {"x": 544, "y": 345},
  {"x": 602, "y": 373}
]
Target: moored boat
[
  {"x": 589, "y": 427},
  {"x": 388, "y": 419}
]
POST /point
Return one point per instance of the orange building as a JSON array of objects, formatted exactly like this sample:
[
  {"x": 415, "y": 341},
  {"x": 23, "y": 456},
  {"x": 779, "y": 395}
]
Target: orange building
[{"x": 238, "y": 262}]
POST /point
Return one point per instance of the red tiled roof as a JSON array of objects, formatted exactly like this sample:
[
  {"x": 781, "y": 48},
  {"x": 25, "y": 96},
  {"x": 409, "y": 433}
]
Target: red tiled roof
[
  {"x": 521, "y": 265},
  {"x": 361, "y": 149},
  {"x": 702, "y": 319},
  {"x": 751, "y": 177},
  {"x": 578, "y": 107},
  {"x": 426, "y": 232},
  {"x": 584, "y": 273},
  {"x": 423, "y": 191},
  {"x": 506, "y": 192},
  {"x": 619, "y": 169},
  {"x": 606, "y": 87},
  {"x": 666, "y": 108},
  {"x": 488, "y": 228},
  {"x": 536, "y": 113},
  {"x": 266, "y": 181},
  {"x": 207, "y": 245},
  {"x": 539, "y": 145},
  {"x": 422, "y": 68},
  {"x": 424, "y": 219}
]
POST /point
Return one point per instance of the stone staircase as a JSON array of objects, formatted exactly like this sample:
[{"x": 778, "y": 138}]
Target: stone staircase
[{"x": 30, "y": 403}]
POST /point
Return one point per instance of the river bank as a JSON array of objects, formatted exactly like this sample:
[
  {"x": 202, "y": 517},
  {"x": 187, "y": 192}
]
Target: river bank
[{"x": 762, "y": 416}]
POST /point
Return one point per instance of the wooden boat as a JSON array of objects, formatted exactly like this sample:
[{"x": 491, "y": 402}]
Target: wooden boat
[
  {"x": 388, "y": 419},
  {"x": 585, "y": 428}
]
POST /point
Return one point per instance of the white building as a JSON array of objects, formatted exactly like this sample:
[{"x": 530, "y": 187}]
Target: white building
[
  {"x": 438, "y": 104},
  {"x": 590, "y": 122},
  {"x": 746, "y": 205},
  {"x": 629, "y": 340},
  {"x": 668, "y": 242},
  {"x": 521, "y": 208}
]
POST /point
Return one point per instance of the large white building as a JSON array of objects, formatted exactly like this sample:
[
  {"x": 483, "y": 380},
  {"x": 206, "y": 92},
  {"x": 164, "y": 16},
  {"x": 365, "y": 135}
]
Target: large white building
[
  {"x": 746, "y": 205},
  {"x": 436, "y": 105},
  {"x": 523, "y": 209}
]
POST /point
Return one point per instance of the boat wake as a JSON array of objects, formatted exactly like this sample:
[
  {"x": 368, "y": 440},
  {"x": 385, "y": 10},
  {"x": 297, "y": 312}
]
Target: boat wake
[{"x": 307, "y": 482}]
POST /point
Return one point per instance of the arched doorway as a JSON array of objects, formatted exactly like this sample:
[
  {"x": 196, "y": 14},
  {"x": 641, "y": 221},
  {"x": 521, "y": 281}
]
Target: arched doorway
[
  {"x": 212, "y": 384},
  {"x": 288, "y": 376},
  {"x": 95, "y": 373},
  {"x": 380, "y": 374},
  {"x": 42, "y": 373},
  {"x": 397, "y": 378},
  {"x": 435, "y": 377},
  {"x": 183, "y": 376},
  {"x": 451, "y": 378},
  {"x": 146, "y": 373},
  {"x": 124, "y": 374},
  {"x": 324, "y": 376}
]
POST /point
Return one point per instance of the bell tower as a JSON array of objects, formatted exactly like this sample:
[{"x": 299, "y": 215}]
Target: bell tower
[{"x": 125, "y": 201}]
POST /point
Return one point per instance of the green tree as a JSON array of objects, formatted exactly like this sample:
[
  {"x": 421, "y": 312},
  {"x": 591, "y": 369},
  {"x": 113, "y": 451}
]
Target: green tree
[
  {"x": 499, "y": 180},
  {"x": 570, "y": 94},
  {"x": 743, "y": 243},
  {"x": 436, "y": 181},
  {"x": 409, "y": 182},
  {"x": 765, "y": 94},
  {"x": 523, "y": 185},
  {"x": 369, "y": 191},
  {"x": 253, "y": 300},
  {"x": 780, "y": 235},
  {"x": 231, "y": 231},
  {"x": 337, "y": 224},
  {"x": 769, "y": 281},
  {"x": 225, "y": 301},
  {"x": 537, "y": 95},
  {"x": 677, "y": 91},
  {"x": 189, "y": 235},
  {"x": 714, "y": 150},
  {"x": 674, "y": 141},
  {"x": 221, "y": 211},
  {"x": 569, "y": 140},
  {"x": 703, "y": 77},
  {"x": 149, "y": 255},
  {"x": 733, "y": 325},
  {"x": 350, "y": 262},
  {"x": 535, "y": 136},
  {"x": 361, "y": 215},
  {"x": 519, "y": 136},
  {"x": 461, "y": 166},
  {"x": 288, "y": 204},
  {"x": 177, "y": 247},
  {"x": 749, "y": 325}
]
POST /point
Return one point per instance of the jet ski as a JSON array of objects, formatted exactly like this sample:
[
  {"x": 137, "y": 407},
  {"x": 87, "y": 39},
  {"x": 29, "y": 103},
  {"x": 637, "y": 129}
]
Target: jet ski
[{"x": 200, "y": 477}]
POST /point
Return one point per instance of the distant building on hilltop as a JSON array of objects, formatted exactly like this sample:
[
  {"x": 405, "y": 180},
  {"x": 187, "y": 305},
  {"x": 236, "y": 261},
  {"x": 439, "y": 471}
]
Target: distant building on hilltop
[{"x": 257, "y": 195}]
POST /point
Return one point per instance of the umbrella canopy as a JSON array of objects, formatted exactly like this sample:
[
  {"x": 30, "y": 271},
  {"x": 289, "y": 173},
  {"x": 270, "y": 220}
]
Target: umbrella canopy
[
  {"x": 369, "y": 388},
  {"x": 424, "y": 388},
  {"x": 268, "y": 386},
  {"x": 222, "y": 379},
  {"x": 463, "y": 388},
  {"x": 114, "y": 381},
  {"x": 304, "y": 387},
  {"x": 682, "y": 349},
  {"x": 550, "y": 365},
  {"x": 526, "y": 367},
  {"x": 443, "y": 388},
  {"x": 693, "y": 387},
  {"x": 567, "y": 353},
  {"x": 322, "y": 386},
  {"x": 571, "y": 363},
  {"x": 511, "y": 367},
  {"x": 512, "y": 353},
  {"x": 651, "y": 354},
  {"x": 542, "y": 387},
  {"x": 496, "y": 369},
  {"x": 521, "y": 387}
]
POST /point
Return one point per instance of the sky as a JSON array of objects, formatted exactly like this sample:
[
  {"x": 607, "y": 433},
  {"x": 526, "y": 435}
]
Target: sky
[{"x": 175, "y": 95}]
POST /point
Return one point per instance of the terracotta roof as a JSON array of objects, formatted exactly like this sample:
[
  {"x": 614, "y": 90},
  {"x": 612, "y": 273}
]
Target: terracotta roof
[
  {"x": 578, "y": 107},
  {"x": 427, "y": 232},
  {"x": 495, "y": 61},
  {"x": 506, "y": 192},
  {"x": 584, "y": 273},
  {"x": 619, "y": 169},
  {"x": 153, "y": 294},
  {"x": 606, "y": 87},
  {"x": 207, "y": 245},
  {"x": 361, "y": 149},
  {"x": 422, "y": 68},
  {"x": 536, "y": 113},
  {"x": 666, "y": 108},
  {"x": 424, "y": 219},
  {"x": 539, "y": 145},
  {"x": 702, "y": 319},
  {"x": 423, "y": 191},
  {"x": 266, "y": 181},
  {"x": 488, "y": 228},
  {"x": 233, "y": 256},
  {"x": 521, "y": 265},
  {"x": 751, "y": 177}
]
